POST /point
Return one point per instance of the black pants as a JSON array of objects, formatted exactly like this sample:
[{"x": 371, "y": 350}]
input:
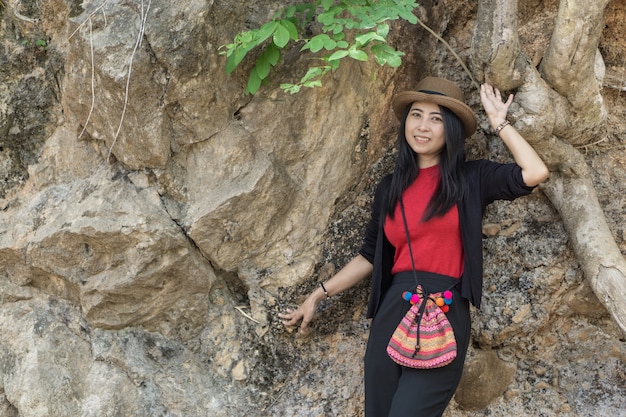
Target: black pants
[{"x": 392, "y": 390}]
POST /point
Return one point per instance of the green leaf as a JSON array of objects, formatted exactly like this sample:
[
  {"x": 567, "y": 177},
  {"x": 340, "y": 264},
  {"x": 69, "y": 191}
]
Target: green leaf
[
  {"x": 339, "y": 36},
  {"x": 234, "y": 60},
  {"x": 254, "y": 82},
  {"x": 383, "y": 30},
  {"x": 394, "y": 61},
  {"x": 262, "y": 67},
  {"x": 281, "y": 36},
  {"x": 245, "y": 38},
  {"x": 314, "y": 72},
  {"x": 358, "y": 54},
  {"x": 367, "y": 23},
  {"x": 366, "y": 38},
  {"x": 317, "y": 42},
  {"x": 326, "y": 4},
  {"x": 326, "y": 19},
  {"x": 314, "y": 83},
  {"x": 290, "y": 88},
  {"x": 264, "y": 32},
  {"x": 291, "y": 28},
  {"x": 386, "y": 55},
  {"x": 338, "y": 55},
  {"x": 230, "y": 64},
  {"x": 408, "y": 16},
  {"x": 330, "y": 44},
  {"x": 272, "y": 53},
  {"x": 290, "y": 11}
]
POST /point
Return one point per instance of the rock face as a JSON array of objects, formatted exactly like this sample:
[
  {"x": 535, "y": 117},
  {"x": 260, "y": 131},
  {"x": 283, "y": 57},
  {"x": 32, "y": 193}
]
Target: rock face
[{"x": 155, "y": 220}]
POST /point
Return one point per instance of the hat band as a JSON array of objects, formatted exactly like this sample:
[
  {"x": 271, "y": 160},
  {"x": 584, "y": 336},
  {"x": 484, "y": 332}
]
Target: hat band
[{"x": 431, "y": 92}]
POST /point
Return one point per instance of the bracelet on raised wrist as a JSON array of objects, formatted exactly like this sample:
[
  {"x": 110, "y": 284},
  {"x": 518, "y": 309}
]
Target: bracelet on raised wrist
[{"x": 502, "y": 126}]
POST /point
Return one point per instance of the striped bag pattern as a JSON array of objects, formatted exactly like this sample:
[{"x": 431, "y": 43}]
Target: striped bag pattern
[{"x": 424, "y": 339}]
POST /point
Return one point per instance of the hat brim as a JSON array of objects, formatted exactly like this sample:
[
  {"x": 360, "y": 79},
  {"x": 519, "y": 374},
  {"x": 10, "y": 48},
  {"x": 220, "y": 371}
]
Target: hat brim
[{"x": 462, "y": 110}]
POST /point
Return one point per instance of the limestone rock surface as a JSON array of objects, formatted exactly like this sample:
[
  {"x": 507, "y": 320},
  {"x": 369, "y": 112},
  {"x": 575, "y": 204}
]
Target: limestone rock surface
[{"x": 154, "y": 220}]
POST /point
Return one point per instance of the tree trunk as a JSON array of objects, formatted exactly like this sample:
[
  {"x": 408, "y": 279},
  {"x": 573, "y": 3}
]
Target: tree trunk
[
  {"x": 596, "y": 250},
  {"x": 560, "y": 106}
]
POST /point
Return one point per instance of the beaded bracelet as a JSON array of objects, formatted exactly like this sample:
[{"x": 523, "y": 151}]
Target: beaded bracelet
[
  {"x": 502, "y": 126},
  {"x": 324, "y": 289}
]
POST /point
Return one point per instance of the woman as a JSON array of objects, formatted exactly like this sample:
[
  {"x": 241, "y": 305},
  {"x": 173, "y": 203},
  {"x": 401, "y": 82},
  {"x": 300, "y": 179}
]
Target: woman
[{"x": 444, "y": 198}]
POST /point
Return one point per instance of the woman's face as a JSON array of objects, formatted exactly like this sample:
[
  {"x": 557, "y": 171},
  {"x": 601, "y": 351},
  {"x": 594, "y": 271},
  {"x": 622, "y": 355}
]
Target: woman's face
[{"x": 424, "y": 132}]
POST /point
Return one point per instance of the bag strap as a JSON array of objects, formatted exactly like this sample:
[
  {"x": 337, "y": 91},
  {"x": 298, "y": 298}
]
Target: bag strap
[
  {"x": 408, "y": 241},
  {"x": 425, "y": 295}
]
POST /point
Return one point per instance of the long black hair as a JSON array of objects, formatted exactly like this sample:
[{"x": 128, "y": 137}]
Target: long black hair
[{"x": 451, "y": 187}]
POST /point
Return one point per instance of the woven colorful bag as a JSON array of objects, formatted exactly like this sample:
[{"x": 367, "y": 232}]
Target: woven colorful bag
[{"x": 424, "y": 339}]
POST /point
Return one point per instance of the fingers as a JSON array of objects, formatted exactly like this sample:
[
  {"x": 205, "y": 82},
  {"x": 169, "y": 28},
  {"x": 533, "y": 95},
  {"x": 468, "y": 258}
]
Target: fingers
[
  {"x": 483, "y": 90},
  {"x": 304, "y": 325},
  {"x": 488, "y": 96},
  {"x": 495, "y": 108},
  {"x": 290, "y": 318},
  {"x": 489, "y": 92}
]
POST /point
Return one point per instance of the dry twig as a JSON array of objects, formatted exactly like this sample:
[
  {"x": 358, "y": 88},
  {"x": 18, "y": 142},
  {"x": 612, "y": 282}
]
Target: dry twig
[
  {"x": 142, "y": 28},
  {"x": 246, "y": 315}
]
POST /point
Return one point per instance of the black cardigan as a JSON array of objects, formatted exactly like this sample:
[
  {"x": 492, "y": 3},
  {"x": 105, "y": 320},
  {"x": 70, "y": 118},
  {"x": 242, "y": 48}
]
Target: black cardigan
[{"x": 487, "y": 181}]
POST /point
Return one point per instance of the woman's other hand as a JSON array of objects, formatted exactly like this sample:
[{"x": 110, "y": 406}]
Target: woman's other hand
[
  {"x": 304, "y": 312},
  {"x": 356, "y": 270}
]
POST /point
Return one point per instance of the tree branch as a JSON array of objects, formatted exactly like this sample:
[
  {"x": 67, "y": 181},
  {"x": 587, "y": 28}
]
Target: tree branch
[
  {"x": 496, "y": 53},
  {"x": 596, "y": 250},
  {"x": 569, "y": 63},
  {"x": 569, "y": 66}
]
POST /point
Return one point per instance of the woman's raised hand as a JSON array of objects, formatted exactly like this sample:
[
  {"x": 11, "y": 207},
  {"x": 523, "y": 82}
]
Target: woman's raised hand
[
  {"x": 534, "y": 170},
  {"x": 495, "y": 108}
]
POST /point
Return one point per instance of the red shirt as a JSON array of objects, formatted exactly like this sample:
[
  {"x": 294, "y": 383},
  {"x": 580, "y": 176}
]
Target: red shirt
[{"x": 436, "y": 244}]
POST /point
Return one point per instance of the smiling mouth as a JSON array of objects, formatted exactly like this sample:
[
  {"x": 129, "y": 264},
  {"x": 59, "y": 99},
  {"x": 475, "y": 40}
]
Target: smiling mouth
[{"x": 421, "y": 139}]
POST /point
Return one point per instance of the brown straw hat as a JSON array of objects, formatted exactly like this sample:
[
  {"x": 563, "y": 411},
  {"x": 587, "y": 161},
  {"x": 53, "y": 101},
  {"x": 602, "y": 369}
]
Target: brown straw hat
[{"x": 442, "y": 92}]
